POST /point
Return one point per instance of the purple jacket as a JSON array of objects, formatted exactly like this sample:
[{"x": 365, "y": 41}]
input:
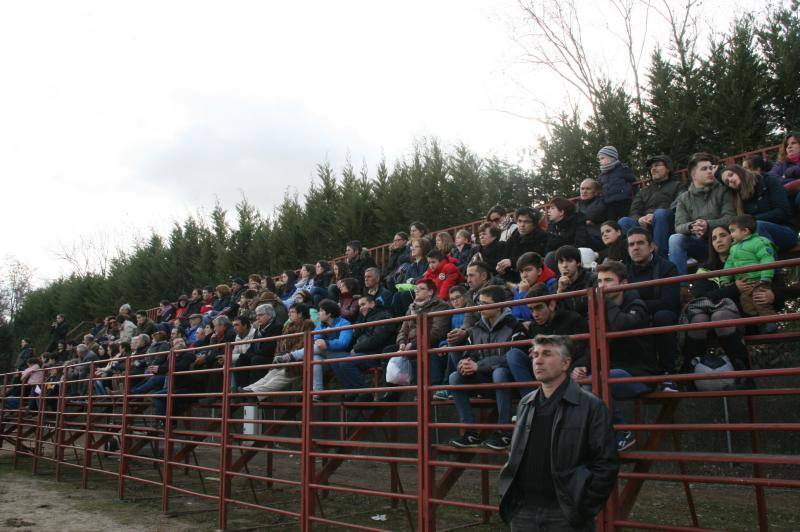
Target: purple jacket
[{"x": 785, "y": 171}]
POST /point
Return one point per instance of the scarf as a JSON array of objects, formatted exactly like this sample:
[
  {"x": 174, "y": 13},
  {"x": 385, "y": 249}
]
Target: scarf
[
  {"x": 608, "y": 167},
  {"x": 794, "y": 158}
]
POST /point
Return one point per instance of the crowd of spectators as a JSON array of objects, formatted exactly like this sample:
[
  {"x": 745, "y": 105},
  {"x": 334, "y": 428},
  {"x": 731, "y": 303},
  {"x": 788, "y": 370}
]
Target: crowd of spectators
[{"x": 724, "y": 217}]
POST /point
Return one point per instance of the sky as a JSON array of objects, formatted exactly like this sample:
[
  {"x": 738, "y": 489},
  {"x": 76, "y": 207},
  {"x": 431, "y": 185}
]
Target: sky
[{"x": 117, "y": 118}]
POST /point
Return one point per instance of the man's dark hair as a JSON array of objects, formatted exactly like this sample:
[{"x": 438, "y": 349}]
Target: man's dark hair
[
  {"x": 744, "y": 221},
  {"x": 531, "y": 258},
  {"x": 491, "y": 227},
  {"x": 355, "y": 245},
  {"x": 568, "y": 253},
  {"x": 617, "y": 268},
  {"x": 209, "y": 289},
  {"x": 481, "y": 266},
  {"x": 498, "y": 294},
  {"x": 640, "y": 231},
  {"x": 126, "y": 346},
  {"x": 564, "y": 343},
  {"x": 368, "y": 297},
  {"x": 244, "y": 320},
  {"x": 402, "y": 234},
  {"x": 435, "y": 254},
  {"x": 498, "y": 209},
  {"x": 330, "y": 306},
  {"x": 539, "y": 290},
  {"x": 26, "y": 340},
  {"x": 757, "y": 162},
  {"x": 302, "y": 309},
  {"x": 563, "y": 204},
  {"x": 141, "y": 313},
  {"x": 165, "y": 302},
  {"x": 421, "y": 227},
  {"x": 534, "y": 214},
  {"x": 698, "y": 158}
]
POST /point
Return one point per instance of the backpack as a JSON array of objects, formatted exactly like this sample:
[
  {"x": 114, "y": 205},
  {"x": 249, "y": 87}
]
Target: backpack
[{"x": 711, "y": 363}]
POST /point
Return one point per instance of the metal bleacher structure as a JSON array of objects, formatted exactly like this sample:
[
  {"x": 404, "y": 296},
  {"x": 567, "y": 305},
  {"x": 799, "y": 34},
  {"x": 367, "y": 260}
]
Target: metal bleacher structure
[{"x": 306, "y": 464}]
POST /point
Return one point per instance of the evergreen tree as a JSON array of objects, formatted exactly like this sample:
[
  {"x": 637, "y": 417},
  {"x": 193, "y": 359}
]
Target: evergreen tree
[
  {"x": 779, "y": 40},
  {"x": 567, "y": 158}
]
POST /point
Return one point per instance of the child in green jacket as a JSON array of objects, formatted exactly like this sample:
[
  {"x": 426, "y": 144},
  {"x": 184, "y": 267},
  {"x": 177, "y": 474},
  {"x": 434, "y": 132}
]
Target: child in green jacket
[{"x": 750, "y": 249}]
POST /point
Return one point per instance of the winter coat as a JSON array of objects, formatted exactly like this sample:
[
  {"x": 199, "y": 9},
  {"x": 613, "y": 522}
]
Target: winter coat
[
  {"x": 585, "y": 279},
  {"x": 617, "y": 183},
  {"x": 323, "y": 280},
  {"x": 359, "y": 265},
  {"x": 518, "y": 244},
  {"x": 371, "y": 340},
  {"x": 785, "y": 171},
  {"x": 593, "y": 210},
  {"x": 348, "y": 307},
  {"x": 492, "y": 254},
  {"x": 548, "y": 278},
  {"x": 414, "y": 271},
  {"x": 505, "y": 329},
  {"x": 397, "y": 257},
  {"x": 634, "y": 354},
  {"x": 571, "y": 230},
  {"x": 439, "y": 325},
  {"x": 769, "y": 202},
  {"x": 566, "y": 323},
  {"x": 463, "y": 256},
  {"x": 445, "y": 276},
  {"x": 654, "y": 196},
  {"x": 338, "y": 340},
  {"x": 662, "y": 297},
  {"x": 23, "y": 356},
  {"x": 714, "y": 203},
  {"x": 583, "y": 456},
  {"x": 753, "y": 250}
]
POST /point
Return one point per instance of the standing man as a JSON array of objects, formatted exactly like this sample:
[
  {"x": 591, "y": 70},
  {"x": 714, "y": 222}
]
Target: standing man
[{"x": 563, "y": 461}]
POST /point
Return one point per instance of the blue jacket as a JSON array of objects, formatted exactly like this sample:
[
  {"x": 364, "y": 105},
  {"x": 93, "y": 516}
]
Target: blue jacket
[
  {"x": 522, "y": 312},
  {"x": 769, "y": 201},
  {"x": 617, "y": 183},
  {"x": 337, "y": 341}
]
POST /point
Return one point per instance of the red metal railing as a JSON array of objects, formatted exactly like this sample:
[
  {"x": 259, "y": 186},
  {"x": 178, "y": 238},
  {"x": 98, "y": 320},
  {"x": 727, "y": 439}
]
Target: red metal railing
[{"x": 337, "y": 440}]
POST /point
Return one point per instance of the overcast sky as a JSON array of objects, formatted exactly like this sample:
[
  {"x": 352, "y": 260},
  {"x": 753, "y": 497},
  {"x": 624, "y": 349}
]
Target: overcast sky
[{"x": 118, "y": 117}]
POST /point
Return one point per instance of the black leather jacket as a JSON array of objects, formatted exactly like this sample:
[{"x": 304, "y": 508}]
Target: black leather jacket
[{"x": 583, "y": 456}]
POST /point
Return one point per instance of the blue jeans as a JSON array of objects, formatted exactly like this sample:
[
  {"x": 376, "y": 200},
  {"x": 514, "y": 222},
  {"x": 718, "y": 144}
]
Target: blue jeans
[
  {"x": 349, "y": 372},
  {"x": 318, "y": 371},
  {"x": 622, "y": 391},
  {"x": 782, "y": 236},
  {"x": 521, "y": 368},
  {"x": 502, "y": 395},
  {"x": 661, "y": 229},
  {"x": 155, "y": 382},
  {"x": 160, "y": 405},
  {"x": 681, "y": 247}
]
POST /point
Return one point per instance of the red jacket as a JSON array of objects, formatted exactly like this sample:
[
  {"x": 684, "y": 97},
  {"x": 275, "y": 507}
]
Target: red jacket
[{"x": 444, "y": 277}]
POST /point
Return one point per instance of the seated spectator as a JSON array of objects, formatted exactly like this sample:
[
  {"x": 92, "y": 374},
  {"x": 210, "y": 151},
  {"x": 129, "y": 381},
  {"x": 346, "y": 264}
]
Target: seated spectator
[
  {"x": 420, "y": 230},
  {"x": 358, "y": 260},
  {"x": 399, "y": 254},
  {"x": 757, "y": 164},
  {"x": 750, "y": 249},
  {"x": 208, "y": 300},
  {"x": 663, "y": 301},
  {"x": 425, "y": 301},
  {"x": 244, "y": 332},
  {"x": 616, "y": 179},
  {"x": 127, "y": 311},
  {"x": 127, "y": 329},
  {"x": 340, "y": 271},
  {"x": 144, "y": 324},
  {"x": 349, "y": 292},
  {"x": 287, "y": 286},
  {"x": 139, "y": 346},
  {"x": 322, "y": 280},
  {"x": 534, "y": 273},
  {"x": 653, "y": 206},
  {"x": 444, "y": 243},
  {"x": 304, "y": 282},
  {"x": 715, "y": 302},
  {"x": 763, "y": 197},
  {"x": 61, "y": 354},
  {"x": 326, "y": 345},
  {"x": 486, "y": 365},
  {"x": 528, "y": 237},
  {"x": 787, "y": 167},
  {"x": 32, "y": 378},
  {"x": 463, "y": 250},
  {"x": 258, "y": 353},
  {"x": 166, "y": 311},
  {"x": 547, "y": 319},
  {"x": 442, "y": 272},
  {"x": 195, "y": 302},
  {"x": 195, "y": 323},
  {"x": 283, "y": 378},
  {"x": 565, "y": 227},
  {"x": 25, "y": 352},
  {"x": 269, "y": 298},
  {"x": 705, "y": 205},
  {"x": 180, "y": 309},
  {"x": 457, "y": 300},
  {"x": 631, "y": 356},
  {"x": 367, "y": 341},
  {"x": 614, "y": 242},
  {"x": 254, "y": 282},
  {"x": 373, "y": 287},
  {"x": 181, "y": 384},
  {"x": 419, "y": 264},
  {"x": 593, "y": 209},
  {"x": 268, "y": 283},
  {"x": 237, "y": 288},
  {"x": 155, "y": 365},
  {"x": 499, "y": 216},
  {"x": 214, "y": 357},
  {"x": 491, "y": 249},
  {"x": 248, "y": 303},
  {"x": 98, "y": 328},
  {"x": 573, "y": 277},
  {"x": 478, "y": 275}
]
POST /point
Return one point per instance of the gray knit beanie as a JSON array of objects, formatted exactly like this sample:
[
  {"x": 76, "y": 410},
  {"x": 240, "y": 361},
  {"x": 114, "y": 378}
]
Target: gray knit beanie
[{"x": 611, "y": 151}]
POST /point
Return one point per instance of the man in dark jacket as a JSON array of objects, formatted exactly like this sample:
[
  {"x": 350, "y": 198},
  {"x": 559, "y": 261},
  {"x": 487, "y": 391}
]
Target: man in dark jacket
[
  {"x": 486, "y": 365},
  {"x": 372, "y": 286},
  {"x": 663, "y": 302},
  {"x": 491, "y": 249},
  {"x": 593, "y": 208},
  {"x": 58, "y": 332},
  {"x": 632, "y": 356},
  {"x": 259, "y": 353},
  {"x": 181, "y": 384},
  {"x": 25, "y": 352},
  {"x": 144, "y": 324},
  {"x": 368, "y": 341},
  {"x": 563, "y": 463},
  {"x": 358, "y": 260},
  {"x": 527, "y": 237},
  {"x": 573, "y": 277},
  {"x": 654, "y": 204},
  {"x": 547, "y": 319},
  {"x": 565, "y": 227}
]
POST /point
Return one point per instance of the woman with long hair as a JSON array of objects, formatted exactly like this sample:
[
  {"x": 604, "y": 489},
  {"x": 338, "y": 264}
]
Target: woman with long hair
[{"x": 616, "y": 245}]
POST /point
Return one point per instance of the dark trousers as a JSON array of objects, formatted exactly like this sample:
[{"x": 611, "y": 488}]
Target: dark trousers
[{"x": 534, "y": 519}]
